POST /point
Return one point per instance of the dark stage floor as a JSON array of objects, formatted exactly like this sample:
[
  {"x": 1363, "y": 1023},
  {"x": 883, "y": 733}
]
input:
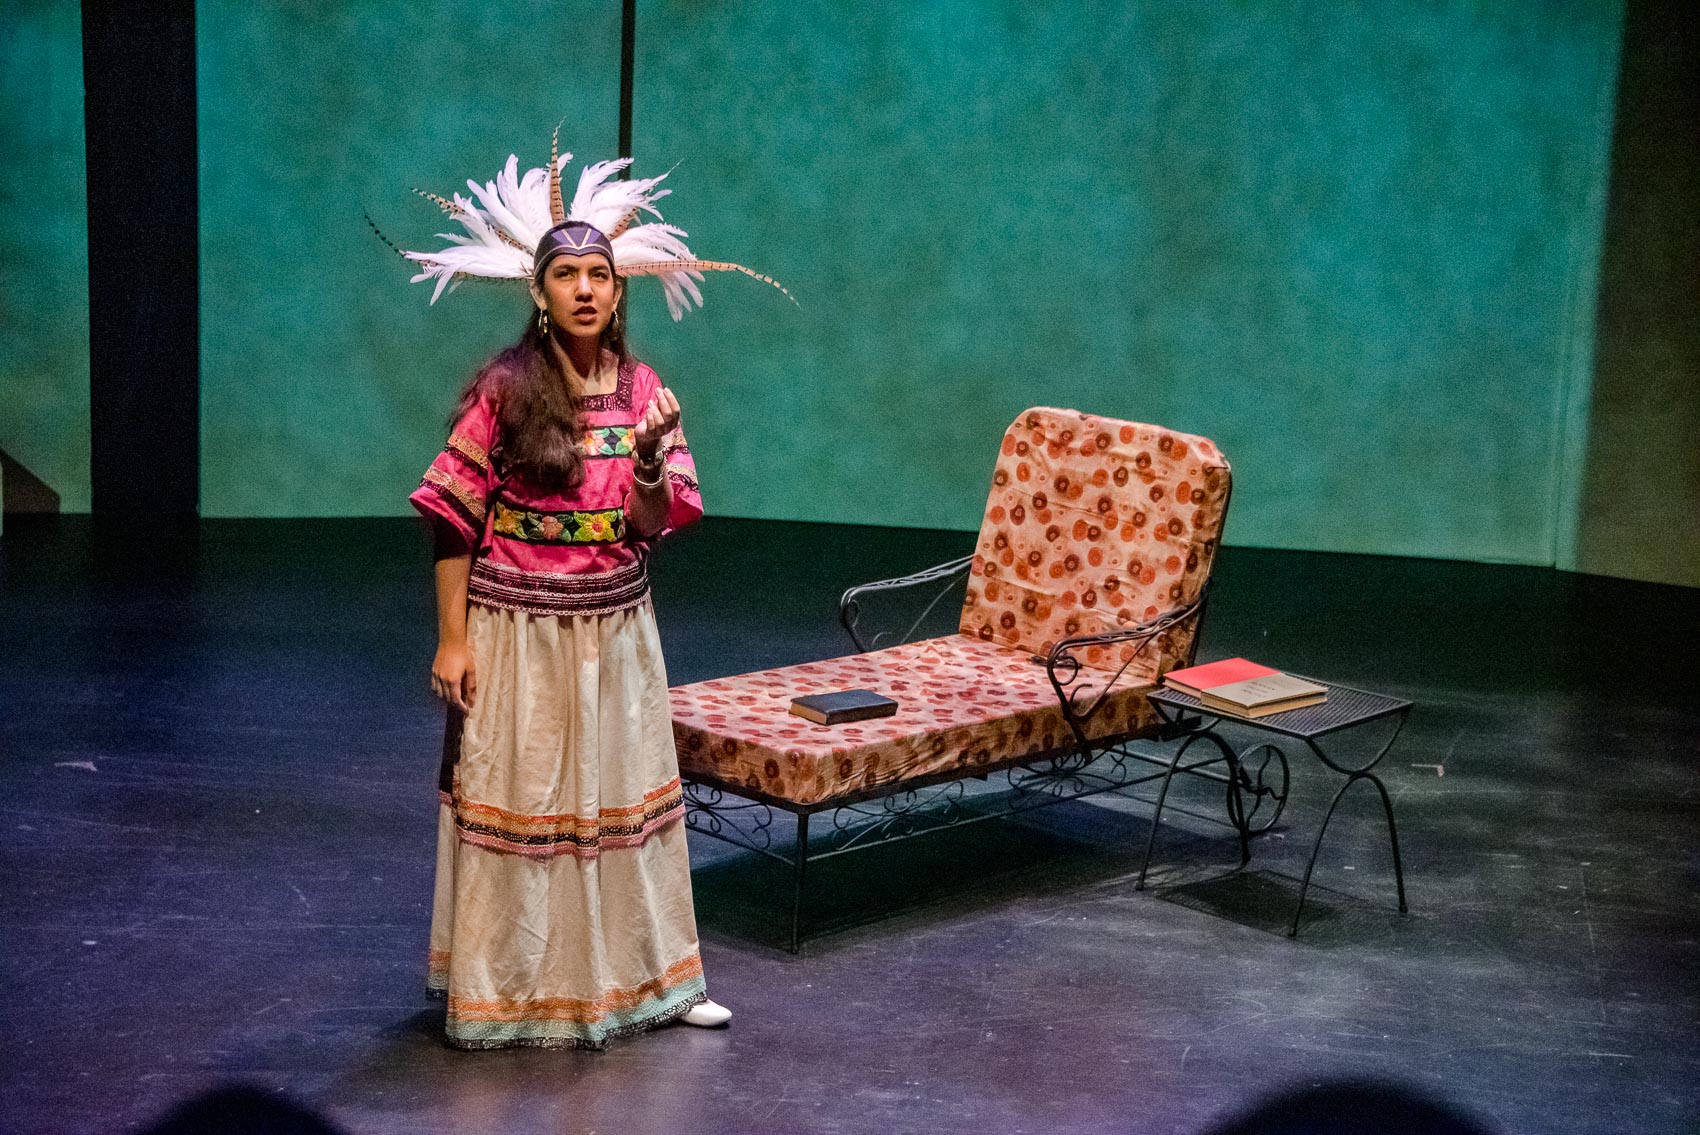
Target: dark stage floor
[{"x": 216, "y": 834}]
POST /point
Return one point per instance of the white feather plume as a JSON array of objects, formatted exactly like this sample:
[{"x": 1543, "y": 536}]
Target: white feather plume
[
  {"x": 655, "y": 244},
  {"x": 505, "y": 219}
]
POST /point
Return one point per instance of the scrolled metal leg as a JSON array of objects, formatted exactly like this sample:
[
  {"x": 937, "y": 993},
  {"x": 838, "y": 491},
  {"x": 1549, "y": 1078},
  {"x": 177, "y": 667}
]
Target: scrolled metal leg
[
  {"x": 1255, "y": 783},
  {"x": 1157, "y": 815},
  {"x": 1393, "y": 836},
  {"x": 1353, "y": 775},
  {"x": 1236, "y": 805},
  {"x": 1293, "y": 931},
  {"x": 797, "y": 894}
]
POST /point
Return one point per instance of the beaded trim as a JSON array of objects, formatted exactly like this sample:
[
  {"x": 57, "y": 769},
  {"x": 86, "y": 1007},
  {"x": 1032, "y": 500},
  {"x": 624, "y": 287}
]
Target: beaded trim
[
  {"x": 585, "y": 837},
  {"x": 665, "y": 1017},
  {"x": 470, "y": 450},
  {"x": 620, "y": 398},
  {"x": 557, "y": 593},
  {"x": 568, "y": 1022},
  {"x": 683, "y": 477},
  {"x": 450, "y": 489}
]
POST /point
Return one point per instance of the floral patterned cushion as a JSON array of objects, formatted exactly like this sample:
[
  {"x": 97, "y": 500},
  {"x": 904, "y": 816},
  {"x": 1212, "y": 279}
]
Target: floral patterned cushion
[
  {"x": 963, "y": 703},
  {"x": 1095, "y": 524}
]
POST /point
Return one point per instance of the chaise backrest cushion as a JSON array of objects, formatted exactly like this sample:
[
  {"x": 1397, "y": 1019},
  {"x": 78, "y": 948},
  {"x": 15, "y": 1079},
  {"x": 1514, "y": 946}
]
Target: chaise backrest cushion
[{"x": 1092, "y": 525}]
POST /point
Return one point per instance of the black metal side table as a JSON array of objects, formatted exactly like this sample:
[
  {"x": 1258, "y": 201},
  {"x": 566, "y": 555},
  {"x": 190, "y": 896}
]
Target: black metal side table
[{"x": 1261, "y": 771}]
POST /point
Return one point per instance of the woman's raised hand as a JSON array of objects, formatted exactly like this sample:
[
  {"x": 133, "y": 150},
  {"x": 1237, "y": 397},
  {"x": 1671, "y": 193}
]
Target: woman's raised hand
[{"x": 660, "y": 418}]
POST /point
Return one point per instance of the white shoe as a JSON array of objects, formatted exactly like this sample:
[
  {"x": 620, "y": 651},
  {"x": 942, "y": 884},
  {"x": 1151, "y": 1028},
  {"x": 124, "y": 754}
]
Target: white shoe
[{"x": 707, "y": 1015}]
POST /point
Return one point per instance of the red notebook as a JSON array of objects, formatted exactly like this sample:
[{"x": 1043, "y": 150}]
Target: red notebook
[{"x": 1195, "y": 679}]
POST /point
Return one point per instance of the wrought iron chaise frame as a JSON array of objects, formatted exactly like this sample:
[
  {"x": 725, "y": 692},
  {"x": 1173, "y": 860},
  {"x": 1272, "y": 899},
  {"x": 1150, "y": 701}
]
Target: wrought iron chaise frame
[{"x": 1087, "y": 766}]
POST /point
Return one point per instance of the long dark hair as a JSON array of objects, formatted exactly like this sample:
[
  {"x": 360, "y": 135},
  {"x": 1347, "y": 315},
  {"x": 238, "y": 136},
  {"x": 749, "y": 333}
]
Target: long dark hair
[{"x": 539, "y": 408}]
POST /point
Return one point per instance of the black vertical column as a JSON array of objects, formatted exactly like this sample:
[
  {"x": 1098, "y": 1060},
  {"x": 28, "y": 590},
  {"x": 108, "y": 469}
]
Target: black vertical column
[
  {"x": 144, "y": 271},
  {"x": 628, "y": 62}
]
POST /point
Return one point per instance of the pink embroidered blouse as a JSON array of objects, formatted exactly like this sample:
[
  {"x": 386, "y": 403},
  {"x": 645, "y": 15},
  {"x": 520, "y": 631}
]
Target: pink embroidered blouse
[{"x": 543, "y": 552}]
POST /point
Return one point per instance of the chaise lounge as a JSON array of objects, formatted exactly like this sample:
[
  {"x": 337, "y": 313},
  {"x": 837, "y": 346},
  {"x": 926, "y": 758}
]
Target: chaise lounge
[{"x": 1087, "y": 584}]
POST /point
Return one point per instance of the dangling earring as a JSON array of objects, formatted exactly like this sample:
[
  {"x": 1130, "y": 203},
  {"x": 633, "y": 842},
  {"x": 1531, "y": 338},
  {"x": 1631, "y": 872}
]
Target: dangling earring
[{"x": 543, "y": 321}]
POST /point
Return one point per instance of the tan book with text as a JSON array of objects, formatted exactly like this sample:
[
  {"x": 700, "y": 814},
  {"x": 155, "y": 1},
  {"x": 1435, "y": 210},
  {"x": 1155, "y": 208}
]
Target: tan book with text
[{"x": 1270, "y": 693}]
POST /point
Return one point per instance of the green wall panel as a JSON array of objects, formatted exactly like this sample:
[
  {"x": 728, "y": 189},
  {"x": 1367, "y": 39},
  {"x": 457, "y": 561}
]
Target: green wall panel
[
  {"x": 44, "y": 284},
  {"x": 1353, "y": 244},
  {"x": 326, "y": 379}
]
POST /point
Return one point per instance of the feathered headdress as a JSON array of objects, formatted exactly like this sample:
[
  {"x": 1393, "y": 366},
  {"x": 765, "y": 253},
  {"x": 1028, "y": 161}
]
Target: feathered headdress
[{"x": 515, "y": 224}]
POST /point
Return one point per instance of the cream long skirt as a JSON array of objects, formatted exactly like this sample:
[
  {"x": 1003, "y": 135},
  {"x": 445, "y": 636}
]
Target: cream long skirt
[{"x": 562, "y": 915}]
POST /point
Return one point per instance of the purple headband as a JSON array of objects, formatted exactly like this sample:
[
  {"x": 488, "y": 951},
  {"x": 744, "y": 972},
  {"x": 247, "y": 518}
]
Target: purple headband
[{"x": 571, "y": 238}]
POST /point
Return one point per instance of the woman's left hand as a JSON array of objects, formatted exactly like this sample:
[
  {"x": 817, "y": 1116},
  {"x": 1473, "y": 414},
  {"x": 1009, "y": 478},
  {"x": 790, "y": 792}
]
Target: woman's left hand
[{"x": 660, "y": 418}]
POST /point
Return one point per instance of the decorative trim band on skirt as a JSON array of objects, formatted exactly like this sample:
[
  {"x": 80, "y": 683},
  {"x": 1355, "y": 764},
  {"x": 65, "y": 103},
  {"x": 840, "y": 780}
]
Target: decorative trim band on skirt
[
  {"x": 553, "y": 593},
  {"x": 570, "y": 1022},
  {"x": 540, "y": 837}
]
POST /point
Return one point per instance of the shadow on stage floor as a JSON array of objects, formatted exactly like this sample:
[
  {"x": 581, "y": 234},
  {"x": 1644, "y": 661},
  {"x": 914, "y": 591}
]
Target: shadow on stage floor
[{"x": 216, "y": 847}]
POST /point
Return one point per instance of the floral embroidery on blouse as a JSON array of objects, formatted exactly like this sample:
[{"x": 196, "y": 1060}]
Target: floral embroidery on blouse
[
  {"x": 609, "y": 441},
  {"x": 573, "y": 526}
]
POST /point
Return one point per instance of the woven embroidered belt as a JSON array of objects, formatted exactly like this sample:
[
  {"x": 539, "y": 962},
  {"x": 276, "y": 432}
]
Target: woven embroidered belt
[
  {"x": 598, "y": 526},
  {"x": 557, "y": 593}
]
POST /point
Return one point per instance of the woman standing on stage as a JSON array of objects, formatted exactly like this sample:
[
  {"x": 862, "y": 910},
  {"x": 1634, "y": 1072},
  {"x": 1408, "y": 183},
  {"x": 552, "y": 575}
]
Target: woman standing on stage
[{"x": 562, "y": 914}]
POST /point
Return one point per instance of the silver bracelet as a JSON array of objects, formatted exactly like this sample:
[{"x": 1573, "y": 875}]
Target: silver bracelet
[{"x": 640, "y": 482}]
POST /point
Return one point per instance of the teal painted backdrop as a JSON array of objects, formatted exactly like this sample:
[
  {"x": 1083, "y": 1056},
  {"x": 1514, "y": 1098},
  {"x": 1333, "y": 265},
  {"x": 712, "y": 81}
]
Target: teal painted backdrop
[
  {"x": 44, "y": 283},
  {"x": 325, "y": 379},
  {"x": 1356, "y": 246}
]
